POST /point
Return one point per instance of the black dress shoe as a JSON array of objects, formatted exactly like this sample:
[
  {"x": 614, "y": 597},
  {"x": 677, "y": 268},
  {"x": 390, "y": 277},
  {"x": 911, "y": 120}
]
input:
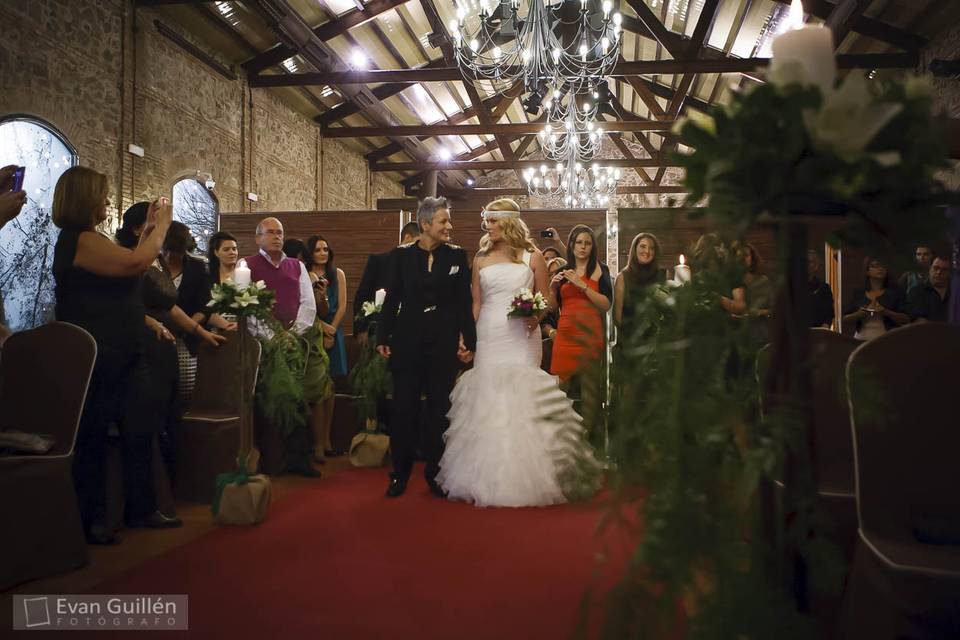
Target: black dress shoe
[
  {"x": 436, "y": 489},
  {"x": 155, "y": 520},
  {"x": 396, "y": 488},
  {"x": 99, "y": 534}
]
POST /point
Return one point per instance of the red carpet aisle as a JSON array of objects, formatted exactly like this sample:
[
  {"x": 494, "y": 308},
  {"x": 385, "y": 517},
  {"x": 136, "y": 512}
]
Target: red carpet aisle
[{"x": 338, "y": 560}]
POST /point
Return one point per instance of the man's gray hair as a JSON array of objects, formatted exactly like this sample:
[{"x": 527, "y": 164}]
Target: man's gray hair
[
  {"x": 428, "y": 207},
  {"x": 260, "y": 224}
]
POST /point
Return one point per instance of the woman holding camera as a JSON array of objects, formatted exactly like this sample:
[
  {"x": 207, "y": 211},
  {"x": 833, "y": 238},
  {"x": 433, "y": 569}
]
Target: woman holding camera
[
  {"x": 98, "y": 288},
  {"x": 330, "y": 288}
]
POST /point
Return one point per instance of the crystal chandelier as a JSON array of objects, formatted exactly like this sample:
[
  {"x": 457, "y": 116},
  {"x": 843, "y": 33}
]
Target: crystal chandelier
[
  {"x": 571, "y": 128},
  {"x": 559, "y": 42},
  {"x": 579, "y": 184}
]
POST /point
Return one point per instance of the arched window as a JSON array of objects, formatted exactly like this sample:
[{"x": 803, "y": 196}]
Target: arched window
[
  {"x": 26, "y": 242},
  {"x": 195, "y": 206}
]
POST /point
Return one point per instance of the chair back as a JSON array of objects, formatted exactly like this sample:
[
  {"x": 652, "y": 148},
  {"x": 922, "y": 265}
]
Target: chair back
[
  {"x": 832, "y": 437},
  {"x": 44, "y": 376},
  {"x": 904, "y": 419},
  {"x": 218, "y": 376}
]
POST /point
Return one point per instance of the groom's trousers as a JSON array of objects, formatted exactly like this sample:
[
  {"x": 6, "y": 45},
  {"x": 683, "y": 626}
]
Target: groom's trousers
[{"x": 427, "y": 376}]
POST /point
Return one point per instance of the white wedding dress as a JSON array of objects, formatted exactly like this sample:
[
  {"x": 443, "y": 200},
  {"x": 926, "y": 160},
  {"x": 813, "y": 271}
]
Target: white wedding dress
[{"x": 512, "y": 430}]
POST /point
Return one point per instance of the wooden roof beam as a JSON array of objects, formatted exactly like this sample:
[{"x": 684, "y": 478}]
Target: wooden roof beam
[{"x": 470, "y": 165}]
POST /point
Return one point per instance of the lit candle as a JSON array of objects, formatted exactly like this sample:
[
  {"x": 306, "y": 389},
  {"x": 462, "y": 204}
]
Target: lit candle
[
  {"x": 241, "y": 275},
  {"x": 809, "y": 46},
  {"x": 681, "y": 272},
  {"x": 379, "y": 297}
]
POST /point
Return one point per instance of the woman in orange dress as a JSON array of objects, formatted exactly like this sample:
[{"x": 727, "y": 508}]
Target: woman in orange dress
[{"x": 583, "y": 293}]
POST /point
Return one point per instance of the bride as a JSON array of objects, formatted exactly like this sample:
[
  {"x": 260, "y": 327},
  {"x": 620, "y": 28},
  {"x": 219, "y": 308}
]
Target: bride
[{"x": 513, "y": 434}]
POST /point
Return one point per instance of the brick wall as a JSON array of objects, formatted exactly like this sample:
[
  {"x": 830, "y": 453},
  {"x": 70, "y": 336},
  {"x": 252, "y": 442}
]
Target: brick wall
[{"x": 104, "y": 76}]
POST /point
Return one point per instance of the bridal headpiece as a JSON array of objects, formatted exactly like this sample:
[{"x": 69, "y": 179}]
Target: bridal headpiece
[{"x": 485, "y": 213}]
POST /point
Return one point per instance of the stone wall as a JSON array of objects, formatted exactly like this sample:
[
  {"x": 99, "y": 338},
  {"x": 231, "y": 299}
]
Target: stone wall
[
  {"x": 103, "y": 75},
  {"x": 947, "y": 90}
]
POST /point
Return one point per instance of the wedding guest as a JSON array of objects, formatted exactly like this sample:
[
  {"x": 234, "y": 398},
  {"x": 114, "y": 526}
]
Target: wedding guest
[
  {"x": 157, "y": 377},
  {"x": 908, "y": 281},
  {"x": 294, "y": 248},
  {"x": 709, "y": 252},
  {"x": 375, "y": 276},
  {"x": 222, "y": 256},
  {"x": 930, "y": 302},
  {"x": 754, "y": 296},
  {"x": 295, "y": 309},
  {"x": 820, "y": 293},
  {"x": 317, "y": 383},
  {"x": 323, "y": 269},
  {"x": 11, "y": 202},
  {"x": 189, "y": 276},
  {"x": 548, "y": 326},
  {"x": 879, "y": 306},
  {"x": 553, "y": 246},
  {"x": 582, "y": 293},
  {"x": 98, "y": 288},
  {"x": 643, "y": 270}
]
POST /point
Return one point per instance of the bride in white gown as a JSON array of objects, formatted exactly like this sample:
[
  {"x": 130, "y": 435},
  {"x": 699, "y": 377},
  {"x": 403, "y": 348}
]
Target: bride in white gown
[{"x": 513, "y": 433}]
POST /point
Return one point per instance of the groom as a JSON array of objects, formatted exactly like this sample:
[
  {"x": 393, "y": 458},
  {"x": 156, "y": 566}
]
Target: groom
[{"x": 426, "y": 329}]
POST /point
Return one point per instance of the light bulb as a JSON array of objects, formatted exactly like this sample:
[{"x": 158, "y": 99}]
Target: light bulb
[
  {"x": 556, "y": 94},
  {"x": 526, "y": 55},
  {"x": 497, "y": 52},
  {"x": 596, "y": 95},
  {"x": 607, "y": 6},
  {"x": 586, "y": 107},
  {"x": 604, "y": 43},
  {"x": 453, "y": 26},
  {"x": 548, "y": 184},
  {"x": 559, "y": 167},
  {"x": 474, "y": 45},
  {"x": 556, "y": 54},
  {"x": 543, "y": 169},
  {"x": 583, "y": 51},
  {"x": 548, "y": 104},
  {"x": 617, "y": 19}
]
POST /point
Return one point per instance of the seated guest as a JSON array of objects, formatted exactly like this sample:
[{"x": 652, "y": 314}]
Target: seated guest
[
  {"x": 643, "y": 270},
  {"x": 98, "y": 288},
  {"x": 879, "y": 306},
  {"x": 295, "y": 309},
  {"x": 375, "y": 277},
  {"x": 548, "y": 326},
  {"x": 912, "y": 279},
  {"x": 820, "y": 293},
  {"x": 930, "y": 302}
]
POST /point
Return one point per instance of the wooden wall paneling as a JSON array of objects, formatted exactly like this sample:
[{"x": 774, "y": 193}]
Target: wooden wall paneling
[{"x": 353, "y": 235}]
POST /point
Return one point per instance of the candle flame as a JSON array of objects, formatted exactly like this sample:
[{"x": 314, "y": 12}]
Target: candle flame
[
  {"x": 682, "y": 260},
  {"x": 242, "y": 263},
  {"x": 795, "y": 16}
]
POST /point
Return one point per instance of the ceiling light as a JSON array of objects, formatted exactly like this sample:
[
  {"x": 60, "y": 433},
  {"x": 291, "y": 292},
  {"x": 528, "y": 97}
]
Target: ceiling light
[{"x": 358, "y": 59}]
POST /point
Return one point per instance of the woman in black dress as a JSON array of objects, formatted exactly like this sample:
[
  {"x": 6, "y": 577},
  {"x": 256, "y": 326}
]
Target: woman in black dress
[{"x": 98, "y": 288}]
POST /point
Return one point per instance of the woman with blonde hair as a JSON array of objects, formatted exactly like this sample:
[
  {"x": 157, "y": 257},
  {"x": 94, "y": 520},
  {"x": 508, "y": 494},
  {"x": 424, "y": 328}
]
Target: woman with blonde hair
[{"x": 510, "y": 425}]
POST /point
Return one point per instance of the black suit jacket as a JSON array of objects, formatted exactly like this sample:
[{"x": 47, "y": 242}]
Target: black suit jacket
[
  {"x": 374, "y": 278},
  {"x": 403, "y": 316}
]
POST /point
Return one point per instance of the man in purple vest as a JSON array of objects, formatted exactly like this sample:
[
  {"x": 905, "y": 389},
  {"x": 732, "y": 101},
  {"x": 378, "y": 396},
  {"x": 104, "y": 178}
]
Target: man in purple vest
[{"x": 295, "y": 309}]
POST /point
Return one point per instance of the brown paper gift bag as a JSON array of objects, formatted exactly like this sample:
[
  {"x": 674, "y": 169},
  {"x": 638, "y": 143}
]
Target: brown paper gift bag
[
  {"x": 245, "y": 503},
  {"x": 369, "y": 449}
]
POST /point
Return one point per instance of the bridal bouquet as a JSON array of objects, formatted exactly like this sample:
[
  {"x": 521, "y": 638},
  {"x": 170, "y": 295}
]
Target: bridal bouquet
[{"x": 526, "y": 303}]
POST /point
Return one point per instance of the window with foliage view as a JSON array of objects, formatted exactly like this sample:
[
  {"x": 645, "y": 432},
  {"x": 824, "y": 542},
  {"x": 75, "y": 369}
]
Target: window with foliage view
[
  {"x": 26, "y": 242},
  {"x": 195, "y": 206}
]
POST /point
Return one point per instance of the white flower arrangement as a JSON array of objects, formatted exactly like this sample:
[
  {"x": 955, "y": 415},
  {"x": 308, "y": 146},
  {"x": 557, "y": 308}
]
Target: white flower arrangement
[{"x": 526, "y": 303}]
